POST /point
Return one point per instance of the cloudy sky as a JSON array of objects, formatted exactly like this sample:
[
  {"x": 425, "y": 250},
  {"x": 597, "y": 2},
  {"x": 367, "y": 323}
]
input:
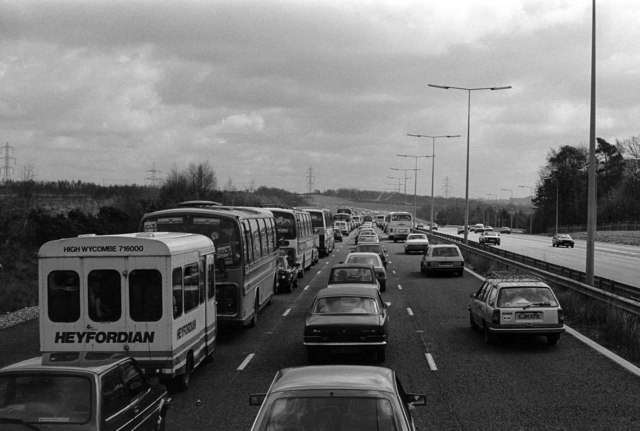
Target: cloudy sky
[{"x": 269, "y": 91}]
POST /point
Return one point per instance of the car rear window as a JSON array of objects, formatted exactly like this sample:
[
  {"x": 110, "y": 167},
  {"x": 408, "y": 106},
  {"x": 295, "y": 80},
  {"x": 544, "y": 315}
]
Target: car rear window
[
  {"x": 345, "y": 305},
  {"x": 42, "y": 398},
  {"x": 522, "y": 296},
  {"x": 331, "y": 413},
  {"x": 445, "y": 252}
]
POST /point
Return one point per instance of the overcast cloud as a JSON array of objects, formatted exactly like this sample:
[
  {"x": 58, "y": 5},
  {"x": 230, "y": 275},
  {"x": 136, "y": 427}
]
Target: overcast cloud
[{"x": 106, "y": 91}]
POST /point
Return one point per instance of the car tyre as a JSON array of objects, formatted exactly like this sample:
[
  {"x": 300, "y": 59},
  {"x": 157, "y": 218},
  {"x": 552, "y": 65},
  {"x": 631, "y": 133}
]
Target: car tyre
[
  {"x": 254, "y": 319},
  {"x": 182, "y": 381},
  {"x": 381, "y": 354},
  {"x": 552, "y": 340},
  {"x": 472, "y": 322},
  {"x": 489, "y": 338}
]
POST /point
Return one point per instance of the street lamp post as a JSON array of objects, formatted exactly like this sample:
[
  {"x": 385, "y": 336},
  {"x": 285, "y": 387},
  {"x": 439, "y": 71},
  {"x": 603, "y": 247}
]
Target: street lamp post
[
  {"x": 510, "y": 201},
  {"x": 557, "y": 193},
  {"x": 495, "y": 212},
  {"x": 405, "y": 183},
  {"x": 415, "y": 185},
  {"x": 433, "y": 166},
  {"x": 531, "y": 215},
  {"x": 466, "y": 193}
]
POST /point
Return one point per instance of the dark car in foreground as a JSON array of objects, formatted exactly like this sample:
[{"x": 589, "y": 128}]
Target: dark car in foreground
[
  {"x": 70, "y": 391},
  {"x": 512, "y": 304},
  {"x": 562, "y": 240},
  {"x": 348, "y": 319},
  {"x": 336, "y": 398}
]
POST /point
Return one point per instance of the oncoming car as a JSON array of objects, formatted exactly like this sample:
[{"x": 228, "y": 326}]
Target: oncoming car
[
  {"x": 69, "y": 391},
  {"x": 562, "y": 239},
  {"x": 508, "y": 304},
  {"x": 442, "y": 258},
  {"x": 489, "y": 237},
  {"x": 335, "y": 397}
]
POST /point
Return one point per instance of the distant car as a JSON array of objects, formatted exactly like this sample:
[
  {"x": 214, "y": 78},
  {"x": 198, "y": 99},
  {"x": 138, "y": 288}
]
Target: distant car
[
  {"x": 416, "y": 242},
  {"x": 335, "y": 397},
  {"x": 80, "y": 391},
  {"x": 562, "y": 240},
  {"x": 460, "y": 229},
  {"x": 337, "y": 235},
  {"x": 370, "y": 259},
  {"x": 489, "y": 237},
  {"x": 286, "y": 274},
  {"x": 477, "y": 228},
  {"x": 346, "y": 319},
  {"x": 512, "y": 304},
  {"x": 353, "y": 274},
  {"x": 373, "y": 248},
  {"x": 505, "y": 229},
  {"x": 419, "y": 226},
  {"x": 367, "y": 237},
  {"x": 400, "y": 233},
  {"x": 442, "y": 258}
]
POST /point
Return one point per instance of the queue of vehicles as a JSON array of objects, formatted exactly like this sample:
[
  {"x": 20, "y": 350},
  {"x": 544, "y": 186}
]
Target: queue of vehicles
[{"x": 203, "y": 287}]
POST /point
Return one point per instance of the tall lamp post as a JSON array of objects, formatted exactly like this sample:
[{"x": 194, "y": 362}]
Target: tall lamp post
[
  {"x": 405, "y": 183},
  {"x": 495, "y": 212},
  {"x": 531, "y": 200},
  {"x": 557, "y": 193},
  {"x": 433, "y": 166},
  {"x": 466, "y": 192},
  {"x": 415, "y": 185},
  {"x": 510, "y": 201}
]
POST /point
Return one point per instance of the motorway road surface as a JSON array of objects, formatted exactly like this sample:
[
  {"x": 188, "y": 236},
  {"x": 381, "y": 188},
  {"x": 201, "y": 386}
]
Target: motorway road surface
[
  {"x": 518, "y": 384},
  {"x": 617, "y": 262}
]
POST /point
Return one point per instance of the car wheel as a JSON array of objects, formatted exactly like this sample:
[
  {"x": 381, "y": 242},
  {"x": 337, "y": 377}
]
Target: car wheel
[
  {"x": 182, "y": 381},
  {"x": 472, "y": 322},
  {"x": 295, "y": 282},
  {"x": 381, "y": 354},
  {"x": 254, "y": 319},
  {"x": 553, "y": 339},
  {"x": 571, "y": 245},
  {"x": 489, "y": 338},
  {"x": 461, "y": 273}
]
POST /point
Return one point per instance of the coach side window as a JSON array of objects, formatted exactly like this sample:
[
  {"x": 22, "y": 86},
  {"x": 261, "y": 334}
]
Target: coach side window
[
  {"x": 63, "y": 296},
  {"x": 191, "y": 286},
  {"x": 145, "y": 295},
  {"x": 177, "y": 292}
]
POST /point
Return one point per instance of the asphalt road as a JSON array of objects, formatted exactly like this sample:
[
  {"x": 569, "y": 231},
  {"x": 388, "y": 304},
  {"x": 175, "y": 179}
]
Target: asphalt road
[
  {"x": 617, "y": 262},
  {"x": 519, "y": 384}
]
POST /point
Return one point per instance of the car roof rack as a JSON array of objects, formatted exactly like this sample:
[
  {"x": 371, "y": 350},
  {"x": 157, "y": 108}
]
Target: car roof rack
[{"x": 512, "y": 276}]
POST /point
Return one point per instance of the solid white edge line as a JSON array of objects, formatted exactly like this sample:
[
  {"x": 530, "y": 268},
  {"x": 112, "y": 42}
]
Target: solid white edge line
[
  {"x": 410, "y": 311},
  {"x": 432, "y": 363},
  {"x": 306, "y": 287},
  {"x": 245, "y": 362},
  {"x": 604, "y": 351},
  {"x": 286, "y": 312}
]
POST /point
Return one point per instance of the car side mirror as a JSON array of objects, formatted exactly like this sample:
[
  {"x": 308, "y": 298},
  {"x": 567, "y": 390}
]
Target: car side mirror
[
  {"x": 256, "y": 399},
  {"x": 416, "y": 399}
]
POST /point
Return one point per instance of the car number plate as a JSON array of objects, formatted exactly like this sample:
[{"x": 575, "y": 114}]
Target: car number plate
[{"x": 528, "y": 316}]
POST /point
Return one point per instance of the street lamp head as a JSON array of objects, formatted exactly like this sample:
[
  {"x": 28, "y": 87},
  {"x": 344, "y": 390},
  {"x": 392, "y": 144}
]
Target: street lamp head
[{"x": 500, "y": 88}]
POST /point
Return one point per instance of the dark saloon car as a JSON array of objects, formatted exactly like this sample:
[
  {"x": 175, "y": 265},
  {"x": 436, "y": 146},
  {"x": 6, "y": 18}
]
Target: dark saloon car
[
  {"x": 69, "y": 391},
  {"x": 562, "y": 240},
  {"x": 337, "y": 235},
  {"x": 336, "y": 397},
  {"x": 347, "y": 319},
  {"x": 287, "y": 274}
]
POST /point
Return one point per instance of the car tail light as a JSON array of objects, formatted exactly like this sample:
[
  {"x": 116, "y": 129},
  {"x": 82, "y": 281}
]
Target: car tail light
[
  {"x": 496, "y": 317},
  {"x": 560, "y": 316}
]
